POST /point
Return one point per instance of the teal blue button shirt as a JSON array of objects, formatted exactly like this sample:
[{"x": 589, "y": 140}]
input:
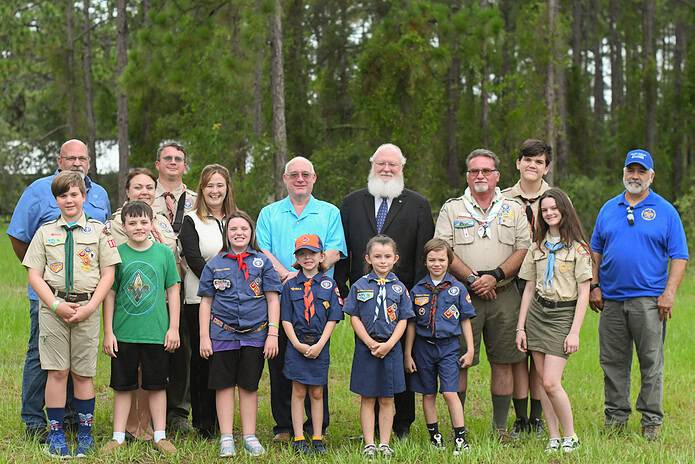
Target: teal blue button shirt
[{"x": 278, "y": 227}]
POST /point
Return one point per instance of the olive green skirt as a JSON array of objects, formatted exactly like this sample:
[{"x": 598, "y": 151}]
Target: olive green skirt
[{"x": 547, "y": 328}]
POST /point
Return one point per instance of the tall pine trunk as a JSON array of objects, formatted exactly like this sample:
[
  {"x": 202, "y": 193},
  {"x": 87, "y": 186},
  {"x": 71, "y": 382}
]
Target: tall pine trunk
[
  {"x": 680, "y": 166},
  {"x": 121, "y": 97},
  {"x": 70, "y": 81},
  {"x": 616, "y": 50},
  {"x": 649, "y": 60},
  {"x": 453, "y": 99},
  {"x": 89, "y": 89},
  {"x": 277, "y": 80}
]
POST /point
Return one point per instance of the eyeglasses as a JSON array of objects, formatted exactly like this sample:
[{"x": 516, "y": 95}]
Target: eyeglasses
[
  {"x": 631, "y": 215},
  {"x": 72, "y": 159},
  {"x": 383, "y": 164},
  {"x": 484, "y": 172},
  {"x": 296, "y": 175},
  {"x": 169, "y": 159}
]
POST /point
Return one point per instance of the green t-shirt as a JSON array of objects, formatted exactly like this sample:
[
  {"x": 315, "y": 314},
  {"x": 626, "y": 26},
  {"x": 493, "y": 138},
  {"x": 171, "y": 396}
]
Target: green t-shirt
[{"x": 142, "y": 278}]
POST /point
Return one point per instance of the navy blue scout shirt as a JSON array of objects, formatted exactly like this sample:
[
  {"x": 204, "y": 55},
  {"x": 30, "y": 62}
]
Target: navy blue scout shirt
[
  {"x": 635, "y": 257},
  {"x": 236, "y": 301},
  {"x": 453, "y": 306},
  {"x": 362, "y": 302},
  {"x": 326, "y": 304}
]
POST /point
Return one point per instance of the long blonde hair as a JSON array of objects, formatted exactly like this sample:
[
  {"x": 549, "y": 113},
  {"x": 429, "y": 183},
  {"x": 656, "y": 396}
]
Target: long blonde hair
[{"x": 228, "y": 206}]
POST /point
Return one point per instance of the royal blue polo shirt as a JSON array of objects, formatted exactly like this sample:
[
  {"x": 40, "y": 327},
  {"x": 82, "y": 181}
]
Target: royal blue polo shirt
[
  {"x": 278, "y": 227},
  {"x": 635, "y": 257},
  {"x": 37, "y": 205}
]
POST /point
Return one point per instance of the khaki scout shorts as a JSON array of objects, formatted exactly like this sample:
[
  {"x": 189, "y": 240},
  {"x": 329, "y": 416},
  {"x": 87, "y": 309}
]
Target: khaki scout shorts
[
  {"x": 71, "y": 347},
  {"x": 496, "y": 322}
]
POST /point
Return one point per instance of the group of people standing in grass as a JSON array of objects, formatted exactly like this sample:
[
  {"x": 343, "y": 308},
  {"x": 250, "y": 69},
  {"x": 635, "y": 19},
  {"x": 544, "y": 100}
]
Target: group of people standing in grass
[{"x": 511, "y": 268}]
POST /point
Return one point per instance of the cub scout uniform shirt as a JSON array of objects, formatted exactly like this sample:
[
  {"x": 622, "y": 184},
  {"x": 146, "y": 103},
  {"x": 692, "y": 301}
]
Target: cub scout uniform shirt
[{"x": 93, "y": 251}]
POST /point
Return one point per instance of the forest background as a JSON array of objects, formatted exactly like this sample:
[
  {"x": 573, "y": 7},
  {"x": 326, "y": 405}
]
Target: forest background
[{"x": 249, "y": 84}]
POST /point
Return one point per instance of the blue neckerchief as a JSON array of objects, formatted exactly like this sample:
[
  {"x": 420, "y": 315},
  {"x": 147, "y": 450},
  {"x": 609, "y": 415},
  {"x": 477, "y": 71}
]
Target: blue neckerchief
[{"x": 550, "y": 267}]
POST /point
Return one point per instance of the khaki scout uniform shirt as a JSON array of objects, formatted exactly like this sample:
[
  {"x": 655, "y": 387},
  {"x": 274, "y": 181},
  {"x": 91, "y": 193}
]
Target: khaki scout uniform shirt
[
  {"x": 515, "y": 192},
  {"x": 114, "y": 226},
  {"x": 160, "y": 205},
  {"x": 508, "y": 232},
  {"x": 572, "y": 265},
  {"x": 93, "y": 251}
]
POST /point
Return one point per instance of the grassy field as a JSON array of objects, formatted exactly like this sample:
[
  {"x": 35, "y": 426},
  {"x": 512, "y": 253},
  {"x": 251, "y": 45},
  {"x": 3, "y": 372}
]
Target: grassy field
[{"x": 583, "y": 381}]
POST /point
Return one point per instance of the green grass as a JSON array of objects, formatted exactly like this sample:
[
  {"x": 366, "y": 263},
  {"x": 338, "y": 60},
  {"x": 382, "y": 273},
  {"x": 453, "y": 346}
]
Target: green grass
[{"x": 583, "y": 382}]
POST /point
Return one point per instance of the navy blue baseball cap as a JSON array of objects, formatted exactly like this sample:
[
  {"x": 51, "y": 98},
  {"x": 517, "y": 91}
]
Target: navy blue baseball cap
[{"x": 641, "y": 157}]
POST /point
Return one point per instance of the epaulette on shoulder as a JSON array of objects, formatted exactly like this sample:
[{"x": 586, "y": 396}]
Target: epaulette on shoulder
[
  {"x": 453, "y": 199},
  {"x": 52, "y": 221},
  {"x": 514, "y": 200},
  {"x": 95, "y": 221},
  {"x": 506, "y": 190}
]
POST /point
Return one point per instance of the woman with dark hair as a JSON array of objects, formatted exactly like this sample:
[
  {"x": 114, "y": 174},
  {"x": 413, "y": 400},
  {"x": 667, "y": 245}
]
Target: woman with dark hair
[
  {"x": 201, "y": 238},
  {"x": 557, "y": 270}
]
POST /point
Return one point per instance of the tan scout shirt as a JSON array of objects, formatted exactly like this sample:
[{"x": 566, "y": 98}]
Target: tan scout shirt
[
  {"x": 160, "y": 205},
  {"x": 508, "y": 232},
  {"x": 114, "y": 226},
  {"x": 572, "y": 265},
  {"x": 93, "y": 251},
  {"x": 515, "y": 192}
]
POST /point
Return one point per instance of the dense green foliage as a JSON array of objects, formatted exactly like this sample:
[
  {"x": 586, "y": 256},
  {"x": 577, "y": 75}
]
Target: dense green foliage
[{"x": 435, "y": 77}]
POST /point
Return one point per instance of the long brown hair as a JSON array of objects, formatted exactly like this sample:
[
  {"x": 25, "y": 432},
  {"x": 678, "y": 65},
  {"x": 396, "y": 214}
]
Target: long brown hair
[
  {"x": 570, "y": 226},
  {"x": 228, "y": 206}
]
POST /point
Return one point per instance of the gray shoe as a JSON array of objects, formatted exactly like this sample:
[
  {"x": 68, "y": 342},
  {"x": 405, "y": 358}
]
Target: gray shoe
[
  {"x": 253, "y": 446},
  {"x": 651, "y": 432},
  {"x": 369, "y": 451},
  {"x": 553, "y": 445},
  {"x": 386, "y": 451},
  {"x": 570, "y": 444},
  {"x": 227, "y": 449}
]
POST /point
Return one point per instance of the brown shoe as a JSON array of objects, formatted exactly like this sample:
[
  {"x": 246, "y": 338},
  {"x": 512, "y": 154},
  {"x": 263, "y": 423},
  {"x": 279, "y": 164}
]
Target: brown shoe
[
  {"x": 503, "y": 437},
  {"x": 111, "y": 446},
  {"x": 282, "y": 437},
  {"x": 651, "y": 432},
  {"x": 165, "y": 446}
]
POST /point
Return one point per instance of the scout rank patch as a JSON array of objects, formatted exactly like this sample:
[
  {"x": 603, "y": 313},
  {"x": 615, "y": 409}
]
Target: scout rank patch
[
  {"x": 391, "y": 312},
  {"x": 221, "y": 284},
  {"x": 86, "y": 256},
  {"x": 365, "y": 295},
  {"x": 326, "y": 304},
  {"x": 421, "y": 299},
  {"x": 56, "y": 267},
  {"x": 255, "y": 285},
  {"x": 451, "y": 311}
]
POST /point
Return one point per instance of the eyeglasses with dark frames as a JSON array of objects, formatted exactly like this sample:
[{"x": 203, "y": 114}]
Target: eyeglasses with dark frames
[{"x": 484, "y": 172}]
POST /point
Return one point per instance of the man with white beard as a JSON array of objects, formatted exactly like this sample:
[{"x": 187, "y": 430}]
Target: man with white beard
[
  {"x": 636, "y": 234},
  {"x": 386, "y": 207}
]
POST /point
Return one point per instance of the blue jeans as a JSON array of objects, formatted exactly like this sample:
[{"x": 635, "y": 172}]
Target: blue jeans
[{"x": 34, "y": 378}]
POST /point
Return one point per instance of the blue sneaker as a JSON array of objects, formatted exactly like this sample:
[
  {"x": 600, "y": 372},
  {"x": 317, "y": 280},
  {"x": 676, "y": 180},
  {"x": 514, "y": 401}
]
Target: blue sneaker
[
  {"x": 56, "y": 446},
  {"x": 85, "y": 445}
]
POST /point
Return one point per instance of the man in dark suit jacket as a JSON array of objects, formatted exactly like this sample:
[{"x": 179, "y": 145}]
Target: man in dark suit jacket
[{"x": 386, "y": 207}]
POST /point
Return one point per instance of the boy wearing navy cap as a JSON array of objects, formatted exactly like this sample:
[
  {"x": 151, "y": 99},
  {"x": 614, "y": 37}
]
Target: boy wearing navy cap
[
  {"x": 442, "y": 312},
  {"x": 309, "y": 309}
]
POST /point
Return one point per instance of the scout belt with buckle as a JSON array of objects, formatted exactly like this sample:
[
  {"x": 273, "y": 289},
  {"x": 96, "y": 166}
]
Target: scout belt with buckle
[
  {"x": 555, "y": 304},
  {"x": 71, "y": 297},
  {"x": 310, "y": 339},
  {"x": 224, "y": 326}
]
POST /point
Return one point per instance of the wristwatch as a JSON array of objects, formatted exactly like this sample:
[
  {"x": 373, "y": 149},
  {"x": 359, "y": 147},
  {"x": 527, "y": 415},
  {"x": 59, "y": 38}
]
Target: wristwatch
[
  {"x": 592, "y": 287},
  {"x": 471, "y": 278}
]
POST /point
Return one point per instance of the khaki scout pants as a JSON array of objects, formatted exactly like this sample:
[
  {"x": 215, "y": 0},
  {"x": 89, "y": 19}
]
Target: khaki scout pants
[{"x": 621, "y": 324}]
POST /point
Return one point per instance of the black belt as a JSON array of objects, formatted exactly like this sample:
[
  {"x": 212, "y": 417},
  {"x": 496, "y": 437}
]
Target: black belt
[
  {"x": 555, "y": 304},
  {"x": 380, "y": 339},
  {"x": 71, "y": 297},
  {"x": 222, "y": 325}
]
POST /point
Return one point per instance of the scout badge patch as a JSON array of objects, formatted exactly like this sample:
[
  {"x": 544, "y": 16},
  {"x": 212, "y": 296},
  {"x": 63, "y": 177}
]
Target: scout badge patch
[
  {"x": 452, "y": 311},
  {"x": 337, "y": 293},
  {"x": 221, "y": 284},
  {"x": 56, "y": 267},
  {"x": 255, "y": 285},
  {"x": 421, "y": 299},
  {"x": 391, "y": 312},
  {"x": 365, "y": 295}
]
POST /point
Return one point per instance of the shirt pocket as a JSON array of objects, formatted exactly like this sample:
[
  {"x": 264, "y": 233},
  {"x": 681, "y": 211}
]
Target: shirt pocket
[
  {"x": 222, "y": 281},
  {"x": 98, "y": 211},
  {"x": 506, "y": 230},
  {"x": 464, "y": 230},
  {"x": 87, "y": 253}
]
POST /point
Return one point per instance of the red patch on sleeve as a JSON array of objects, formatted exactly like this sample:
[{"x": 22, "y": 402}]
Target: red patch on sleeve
[{"x": 111, "y": 243}]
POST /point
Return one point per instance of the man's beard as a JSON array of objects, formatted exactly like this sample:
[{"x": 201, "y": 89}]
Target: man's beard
[
  {"x": 380, "y": 188},
  {"x": 636, "y": 187},
  {"x": 481, "y": 188}
]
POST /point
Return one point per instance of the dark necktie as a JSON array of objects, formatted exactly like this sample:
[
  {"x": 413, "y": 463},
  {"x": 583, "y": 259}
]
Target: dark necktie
[
  {"x": 308, "y": 301},
  {"x": 529, "y": 213},
  {"x": 432, "y": 322},
  {"x": 69, "y": 259},
  {"x": 240, "y": 262},
  {"x": 381, "y": 214},
  {"x": 170, "y": 201}
]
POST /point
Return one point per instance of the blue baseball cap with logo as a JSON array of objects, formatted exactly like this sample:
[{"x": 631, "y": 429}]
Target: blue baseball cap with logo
[{"x": 641, "y": 157}]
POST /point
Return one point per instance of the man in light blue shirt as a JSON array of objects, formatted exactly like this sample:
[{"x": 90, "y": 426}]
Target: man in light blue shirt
[
  {"x": 279, "y": 224},
  {"x": 640, "y": 254},
  {"x": 35, "y": 207}
]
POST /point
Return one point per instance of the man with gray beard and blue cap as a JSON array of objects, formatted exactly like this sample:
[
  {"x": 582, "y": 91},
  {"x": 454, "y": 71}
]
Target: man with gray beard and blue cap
[{"x": 639, "y": 255}]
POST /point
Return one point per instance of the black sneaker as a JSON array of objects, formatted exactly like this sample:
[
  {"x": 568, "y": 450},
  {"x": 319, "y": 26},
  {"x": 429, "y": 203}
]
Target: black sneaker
[
  {"x": 536, "y": 427},
  {"x": 461, "y": 445},
  {"x": 437, "y": 441},
  {"x": 520, "y": 426},
  {"x": 319, "y": 446},
  {"x": 301, "y": 447}
]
